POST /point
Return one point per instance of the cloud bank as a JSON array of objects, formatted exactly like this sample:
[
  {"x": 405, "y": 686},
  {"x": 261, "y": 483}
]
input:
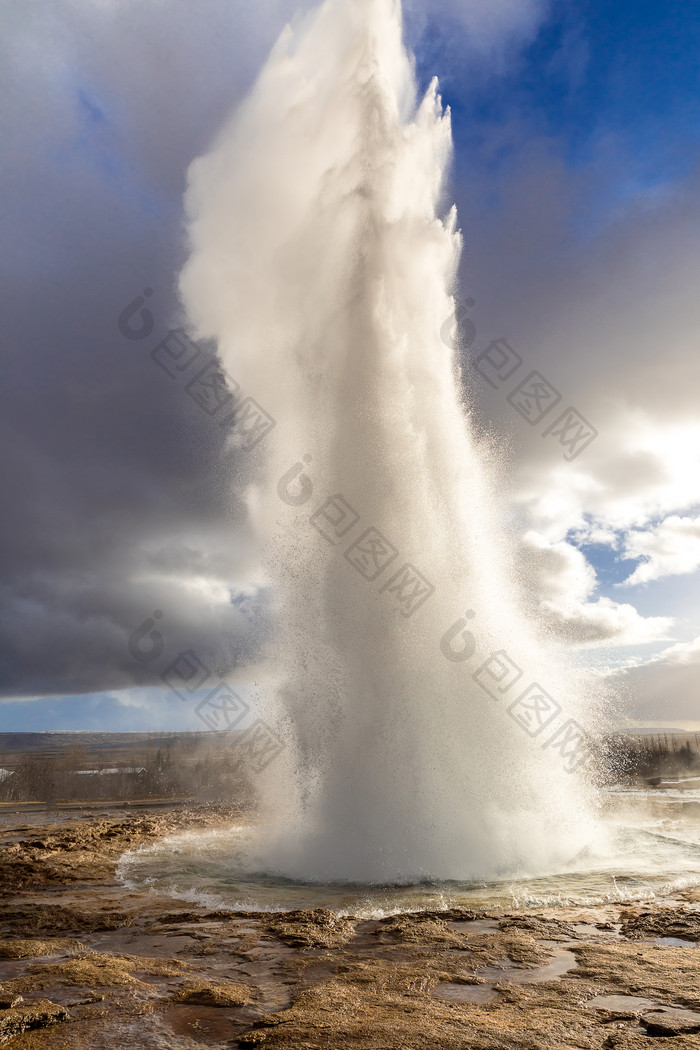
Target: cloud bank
[{"x": 120, "y": 494}]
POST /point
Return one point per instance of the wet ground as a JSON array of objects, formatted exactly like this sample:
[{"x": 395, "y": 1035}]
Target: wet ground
[{"x": 86, "y": 962}]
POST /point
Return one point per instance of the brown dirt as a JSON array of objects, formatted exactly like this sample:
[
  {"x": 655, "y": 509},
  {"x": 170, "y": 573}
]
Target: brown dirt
[
  {"x": 662, "y": 921},
  {"x": 24, "y": 1016},
  {"x": 99, "y": 965},
  {"x": 214, "y": 993}
]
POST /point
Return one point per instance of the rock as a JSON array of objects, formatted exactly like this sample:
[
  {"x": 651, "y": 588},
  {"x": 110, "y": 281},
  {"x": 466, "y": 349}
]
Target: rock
[
  {"x": 27, "y": 947},
  {"x": 94, "y": 970},
  {"x": 671, "y": 1022},
  {"x": 316, "y": 928},
  {"x": 661, "y": 922},
  {"x": 7, "y": 1000},
  {"x": 41, "y": 919},
  {"x": 38, "y": 1014},
  {"x": 213, "y": 993}
]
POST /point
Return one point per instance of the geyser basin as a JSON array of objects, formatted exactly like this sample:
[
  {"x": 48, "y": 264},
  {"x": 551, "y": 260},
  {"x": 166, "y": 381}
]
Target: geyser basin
[{"x": 655, "y": 853}]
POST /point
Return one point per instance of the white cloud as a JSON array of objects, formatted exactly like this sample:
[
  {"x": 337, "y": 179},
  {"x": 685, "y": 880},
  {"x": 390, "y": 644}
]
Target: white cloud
[
  {"x": 667, "y": 685},
  {"x": 488, "y": 23},
  {"x": 641, "y": 468},
  {"x": 611, "y": 319},
  {"x": 670, "y": 549},
  {"x": 606, "y": 622},
  {"x": 561, "y": 584}
]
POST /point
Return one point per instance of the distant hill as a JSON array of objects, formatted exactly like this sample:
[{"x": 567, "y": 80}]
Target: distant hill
[
  {"x": 649, "y": 731},
  {"x": 50, "y": 743},
  {"x": 67, "y": 767}
]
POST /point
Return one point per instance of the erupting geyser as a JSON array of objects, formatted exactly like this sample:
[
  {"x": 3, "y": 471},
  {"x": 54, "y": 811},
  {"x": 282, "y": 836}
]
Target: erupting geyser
[{"x": 323, "y": 262}]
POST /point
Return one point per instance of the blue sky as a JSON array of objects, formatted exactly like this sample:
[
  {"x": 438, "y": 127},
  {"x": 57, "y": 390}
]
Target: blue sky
[
  {"x": 596, "y": 69},
  {"x": 577, "y": 131}
]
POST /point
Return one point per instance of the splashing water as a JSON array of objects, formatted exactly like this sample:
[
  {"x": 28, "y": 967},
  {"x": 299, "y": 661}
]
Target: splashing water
[
  {"x": 322, "y": 262},
  {"x": 653, "y": 854}
]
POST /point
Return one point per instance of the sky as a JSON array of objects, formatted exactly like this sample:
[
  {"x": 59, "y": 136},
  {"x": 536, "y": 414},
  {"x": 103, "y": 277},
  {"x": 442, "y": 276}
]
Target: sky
[{"x": 576, "y": 174}]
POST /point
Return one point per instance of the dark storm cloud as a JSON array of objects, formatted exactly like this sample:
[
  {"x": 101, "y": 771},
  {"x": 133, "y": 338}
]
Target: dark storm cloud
[
  {"x": 119, "y": 496},
  {"x": 119, "y": 493},
  {"x": 118, "y": 490}
]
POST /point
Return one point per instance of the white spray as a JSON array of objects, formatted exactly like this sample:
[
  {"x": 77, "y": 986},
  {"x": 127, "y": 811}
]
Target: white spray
[{"x": 323, "y": 262}]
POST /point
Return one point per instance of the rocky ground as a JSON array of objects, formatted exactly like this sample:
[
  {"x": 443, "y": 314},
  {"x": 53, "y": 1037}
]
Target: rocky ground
[{"x": 85, "y": 962}]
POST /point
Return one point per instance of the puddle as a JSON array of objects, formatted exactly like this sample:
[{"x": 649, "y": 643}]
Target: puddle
[
  {"x": 657, "y": 1018},
  {"x": 465, "y": 993},
  {"x": 156, "y": 1031},
  {"x": 562, "y": 962},
  {"x": 453, "y": 992},
  {"x": 473, "y": 927},
  {"x": 201, "y": 1023},
  {"x": 624, "y": 1003},
  {"x": 132, "y": 941}
]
